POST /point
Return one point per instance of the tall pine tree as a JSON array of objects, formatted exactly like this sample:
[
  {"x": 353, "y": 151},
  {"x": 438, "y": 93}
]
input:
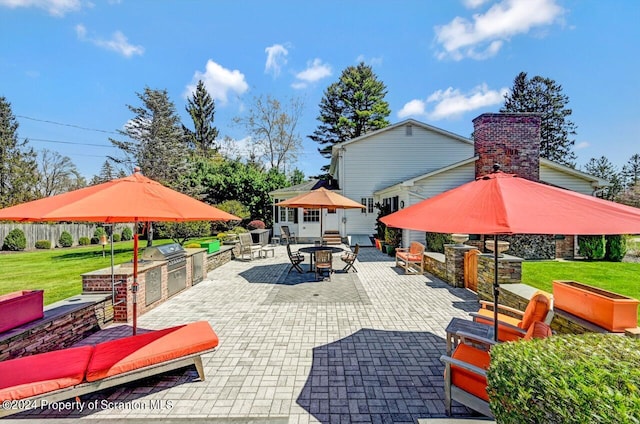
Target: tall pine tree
[
  {"x": 544, "y": 96},
  {"x": 158, "y": 143},
  {"x": 18, "y": 165},
  {"x": 201, "y": 107},
  {"x": 351, "y": 107}
]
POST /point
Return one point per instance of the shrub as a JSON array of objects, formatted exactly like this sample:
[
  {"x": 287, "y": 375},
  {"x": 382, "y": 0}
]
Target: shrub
[
  {"x": 591, "y": 247},
  {"x": 616, "y": 248},
  {"x": 15, "y": 240},
  {"x": 127, "y": 234},
  {"x": 43, "y": 244},
  {"x": 97, "y": 234},
  {"x": 256, "y": 224},
  {"x": 115, "y": 237},
  {"x": 65, "y": 239},
  {"x": 392, "y": 236},
  {"x": 569, "y": 379},
  {"x": 84, "y": 241},
  {"x": 221, "y": 236},
  {"x": 238, "y": 230},
  {"x": 434, "y": 242},
  {"x": 192, "y": 245}
]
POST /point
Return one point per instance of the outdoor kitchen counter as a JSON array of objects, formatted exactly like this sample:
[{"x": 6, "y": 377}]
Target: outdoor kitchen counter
[{"x": 126, "y": 268}]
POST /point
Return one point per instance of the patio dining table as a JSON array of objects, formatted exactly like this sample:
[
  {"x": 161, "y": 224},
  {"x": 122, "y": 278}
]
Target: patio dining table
[{"x": 311, "y": 250}]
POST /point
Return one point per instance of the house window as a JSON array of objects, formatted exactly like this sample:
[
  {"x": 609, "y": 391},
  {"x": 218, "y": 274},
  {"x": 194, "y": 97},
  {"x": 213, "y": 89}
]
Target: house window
[
  {"x": 331, "y": 210},
  {"x": 368, "y": 202},
  {"x": 311, "y": 215},
  {"x": 408, "y": 130},
  {"x": 286, "y": 214}
]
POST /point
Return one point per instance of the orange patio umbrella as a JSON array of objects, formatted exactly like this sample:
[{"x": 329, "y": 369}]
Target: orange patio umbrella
[
  {"x": 319, "y": 199},
  {"x": 135, "y": 198},
  {"x": 501, "y": 203}
]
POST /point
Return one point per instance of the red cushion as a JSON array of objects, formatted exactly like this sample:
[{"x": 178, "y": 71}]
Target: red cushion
[
  {"x": 33, "y": 375},
  {"x": 130, "y": 353},
  {"x": 537, "y": 310},
  {"x": 466, "y": 380},
  {"x": 538, "y": 330}
]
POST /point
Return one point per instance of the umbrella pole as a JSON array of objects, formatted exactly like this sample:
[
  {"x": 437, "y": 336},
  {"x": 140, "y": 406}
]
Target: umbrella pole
[
  {"x": 496, "y": 288},
  {"x": 134, "y": 287}
]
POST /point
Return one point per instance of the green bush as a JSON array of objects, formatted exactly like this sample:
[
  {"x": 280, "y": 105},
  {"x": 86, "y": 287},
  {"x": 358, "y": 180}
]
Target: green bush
[
  {"x": 43, "y": 244},
  {"x": 392, "y": 236},
  {"x": 435, "y": 242},
  {"x": 591, "y": 247},
  {"x": 239, "y": 230},
  {"x": 127, "y": 234},
  {"x": 588, "y": 378},
  {"x": 84, "y": 241},
  {"x": 115, "y": 237},
  {"x": 616, "y": 248},
  {"x": 99, "y": 232},
  {"x": 221, "y": 236},
  {"x": 15, "y": 240},
  {"x": 65, "y": 239},
  {"x": 192, "y": 245}
]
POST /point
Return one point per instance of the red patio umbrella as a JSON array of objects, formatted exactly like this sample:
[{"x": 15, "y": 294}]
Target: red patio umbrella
[
  {"x": 501, "y": 203},
  {"x": 319, "y": 199},
  {"x": 135, "y": 198}
]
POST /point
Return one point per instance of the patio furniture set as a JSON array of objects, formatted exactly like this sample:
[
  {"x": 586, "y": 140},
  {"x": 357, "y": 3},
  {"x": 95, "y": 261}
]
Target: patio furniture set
[
  {"x": 321, "y": 259},
  {"x": 469, "y": 341}
]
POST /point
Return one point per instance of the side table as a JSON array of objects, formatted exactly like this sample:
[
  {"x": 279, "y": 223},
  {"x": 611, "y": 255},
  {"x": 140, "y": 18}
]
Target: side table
[
  {"x": 468, "y": 326},
  {"x": 263, "y": 252}
]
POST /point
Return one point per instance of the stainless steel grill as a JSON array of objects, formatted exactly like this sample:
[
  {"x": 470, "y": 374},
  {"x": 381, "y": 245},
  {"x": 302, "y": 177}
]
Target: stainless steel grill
[{"x": 176, "y": 258}]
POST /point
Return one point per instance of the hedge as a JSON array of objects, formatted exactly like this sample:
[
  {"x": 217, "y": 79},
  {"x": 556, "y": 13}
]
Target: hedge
[
  {"x": 43, "y": 244},
  {"x": 588, "y": 378},
  {"x": 65, "y": 240}
]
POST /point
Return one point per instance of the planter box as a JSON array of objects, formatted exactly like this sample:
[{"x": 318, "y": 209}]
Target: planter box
[
  {"x": 609, "y": 310},
  {"x": 211, "y": 246},
  {"x": 20, "y": 307}
]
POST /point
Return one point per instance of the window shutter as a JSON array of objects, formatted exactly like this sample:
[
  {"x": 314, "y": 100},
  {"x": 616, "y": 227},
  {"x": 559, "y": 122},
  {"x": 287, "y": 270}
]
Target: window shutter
[
  {"x": 295, "y": 216},
  {"x": 276, "y": 213}
]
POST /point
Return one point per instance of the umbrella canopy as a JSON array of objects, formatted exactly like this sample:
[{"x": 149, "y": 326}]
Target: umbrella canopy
[
  {"x": 130, "y": 199},
  {"x": 321, "y": 198},
  {"x": 501, "y": 203}
]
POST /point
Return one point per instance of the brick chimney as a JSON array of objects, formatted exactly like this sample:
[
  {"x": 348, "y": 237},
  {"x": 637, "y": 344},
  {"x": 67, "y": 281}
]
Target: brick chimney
[{"x": 511, "y": 140}]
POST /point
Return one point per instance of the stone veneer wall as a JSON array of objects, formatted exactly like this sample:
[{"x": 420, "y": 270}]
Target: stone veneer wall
[
  {"x": 434, "y": 263},
  {"x": 565, "y": 247},
  {"x": 509, "y": 272},
  {"x": 219, "y": 258},
  {"x": 511, "y": 140},
  {"x": 58, "y": 330}
]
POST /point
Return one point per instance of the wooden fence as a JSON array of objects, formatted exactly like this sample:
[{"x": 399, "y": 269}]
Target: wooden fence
[{"x": 52, "y": 231}]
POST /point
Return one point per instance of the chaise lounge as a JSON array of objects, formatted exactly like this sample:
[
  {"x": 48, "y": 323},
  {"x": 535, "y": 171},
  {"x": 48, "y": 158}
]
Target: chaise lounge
[{"x": 67, "y": 373}]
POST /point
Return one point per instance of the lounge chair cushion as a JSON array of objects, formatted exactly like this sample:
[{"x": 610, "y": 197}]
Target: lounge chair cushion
[
  {"x": 538, "y": 330},
  {"x": 119, "y": 356},
  {"x": 29, "y": 376},
  {"x": 537, "y": 310},
  {"x": 467, "y": 380}
]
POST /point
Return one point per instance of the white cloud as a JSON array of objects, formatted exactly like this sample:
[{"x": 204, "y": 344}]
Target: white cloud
[
  {"x": 472, "y": 4},
  {"x": 276, "y": 59},
  {"x": 316, "y": 70},
  {"x": 118, "y": 42},
  {"x": 56, "y": 8},
  {"x": 452, "y": 102},
  {"x": 219, "y": 82},
  {"x": 582, "y": 145},
  {"x": 374, "y": 61},
  {"x": 485, "y": 34}
]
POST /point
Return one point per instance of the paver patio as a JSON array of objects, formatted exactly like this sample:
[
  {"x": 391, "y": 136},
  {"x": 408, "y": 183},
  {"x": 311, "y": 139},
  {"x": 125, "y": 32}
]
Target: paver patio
[{"x": 362, "y": 347}]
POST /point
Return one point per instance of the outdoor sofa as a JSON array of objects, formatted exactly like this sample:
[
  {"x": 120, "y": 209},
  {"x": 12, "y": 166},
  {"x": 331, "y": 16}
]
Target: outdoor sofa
[{"x": 63, "y": 374}]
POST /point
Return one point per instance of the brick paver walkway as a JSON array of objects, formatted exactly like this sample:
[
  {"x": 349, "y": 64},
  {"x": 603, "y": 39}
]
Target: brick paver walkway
[{"x": 363, "y": 347}]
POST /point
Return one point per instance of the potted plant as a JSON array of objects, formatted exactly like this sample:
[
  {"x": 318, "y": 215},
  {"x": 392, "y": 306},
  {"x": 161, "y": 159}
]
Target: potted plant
[{"x": 392, "y": 238}]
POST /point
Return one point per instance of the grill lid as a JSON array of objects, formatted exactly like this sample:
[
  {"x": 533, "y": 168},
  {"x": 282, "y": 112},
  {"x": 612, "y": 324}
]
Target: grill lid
[{"x": 164, "y": 253}]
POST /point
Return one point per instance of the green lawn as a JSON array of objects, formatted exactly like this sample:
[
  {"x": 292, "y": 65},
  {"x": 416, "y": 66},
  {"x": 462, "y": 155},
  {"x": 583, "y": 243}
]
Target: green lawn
[
  {"x": 58, "y": 271},
  {"x": 618, "y": 277}
]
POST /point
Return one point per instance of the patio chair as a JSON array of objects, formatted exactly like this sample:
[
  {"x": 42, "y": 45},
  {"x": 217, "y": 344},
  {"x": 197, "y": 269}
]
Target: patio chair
[
  {"x": 247, "y": 246},
  {"x": 512, "y": 323},
  {"x": 349, "y": 259},
  {"x": 412, "y": 256},
  {"x": 465, "y": 374},
  {"x": 324, "y": 263},
  {"x": 296, "y": 259},
  {"x": 286, "y": 234}
]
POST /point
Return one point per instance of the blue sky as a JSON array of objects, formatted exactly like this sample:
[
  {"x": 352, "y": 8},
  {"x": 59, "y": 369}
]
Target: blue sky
[{"x": 79, "y": 63}]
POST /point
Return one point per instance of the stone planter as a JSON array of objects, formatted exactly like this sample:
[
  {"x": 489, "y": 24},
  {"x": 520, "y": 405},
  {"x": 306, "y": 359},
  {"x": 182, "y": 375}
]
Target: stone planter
[
  {"x": 609, "y": 310},
  {"x": 503, "y": 246},
  {"x": 20, "y": 307}
]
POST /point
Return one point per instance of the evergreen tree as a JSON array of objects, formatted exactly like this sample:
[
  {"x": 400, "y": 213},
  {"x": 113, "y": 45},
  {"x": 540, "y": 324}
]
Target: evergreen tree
[
  {"x": 603, "y": 168},
  {"x": 18, "y": 165},
  {"x": 201, "y": 107},
  {"x": 631, "y": 171},
  {"x": 544, "y": 96},
  {"x": 351, "y": 107},
  {"x": 158, "y": 145}
]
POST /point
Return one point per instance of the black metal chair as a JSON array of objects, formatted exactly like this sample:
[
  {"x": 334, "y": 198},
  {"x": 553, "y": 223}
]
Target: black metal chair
[
  {"x": 324, "y": 263},
  {"x": 296, "y": 259},
  {"x": 349, "y": 258}
]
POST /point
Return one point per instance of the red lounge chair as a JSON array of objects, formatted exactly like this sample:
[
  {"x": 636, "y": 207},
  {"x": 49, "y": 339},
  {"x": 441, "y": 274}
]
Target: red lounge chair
[
  {"x": 465, "y": 374},
  {"x": 514, "y": 326},
  {"x": 67, "y": 373}
]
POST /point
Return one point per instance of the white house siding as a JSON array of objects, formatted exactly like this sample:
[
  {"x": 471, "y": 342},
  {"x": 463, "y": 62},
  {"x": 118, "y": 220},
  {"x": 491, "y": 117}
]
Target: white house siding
[
  {"x": 434, "y": 185},
  {"x": 388, "y": 158},
  {"x": 564, "y": 180}
]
